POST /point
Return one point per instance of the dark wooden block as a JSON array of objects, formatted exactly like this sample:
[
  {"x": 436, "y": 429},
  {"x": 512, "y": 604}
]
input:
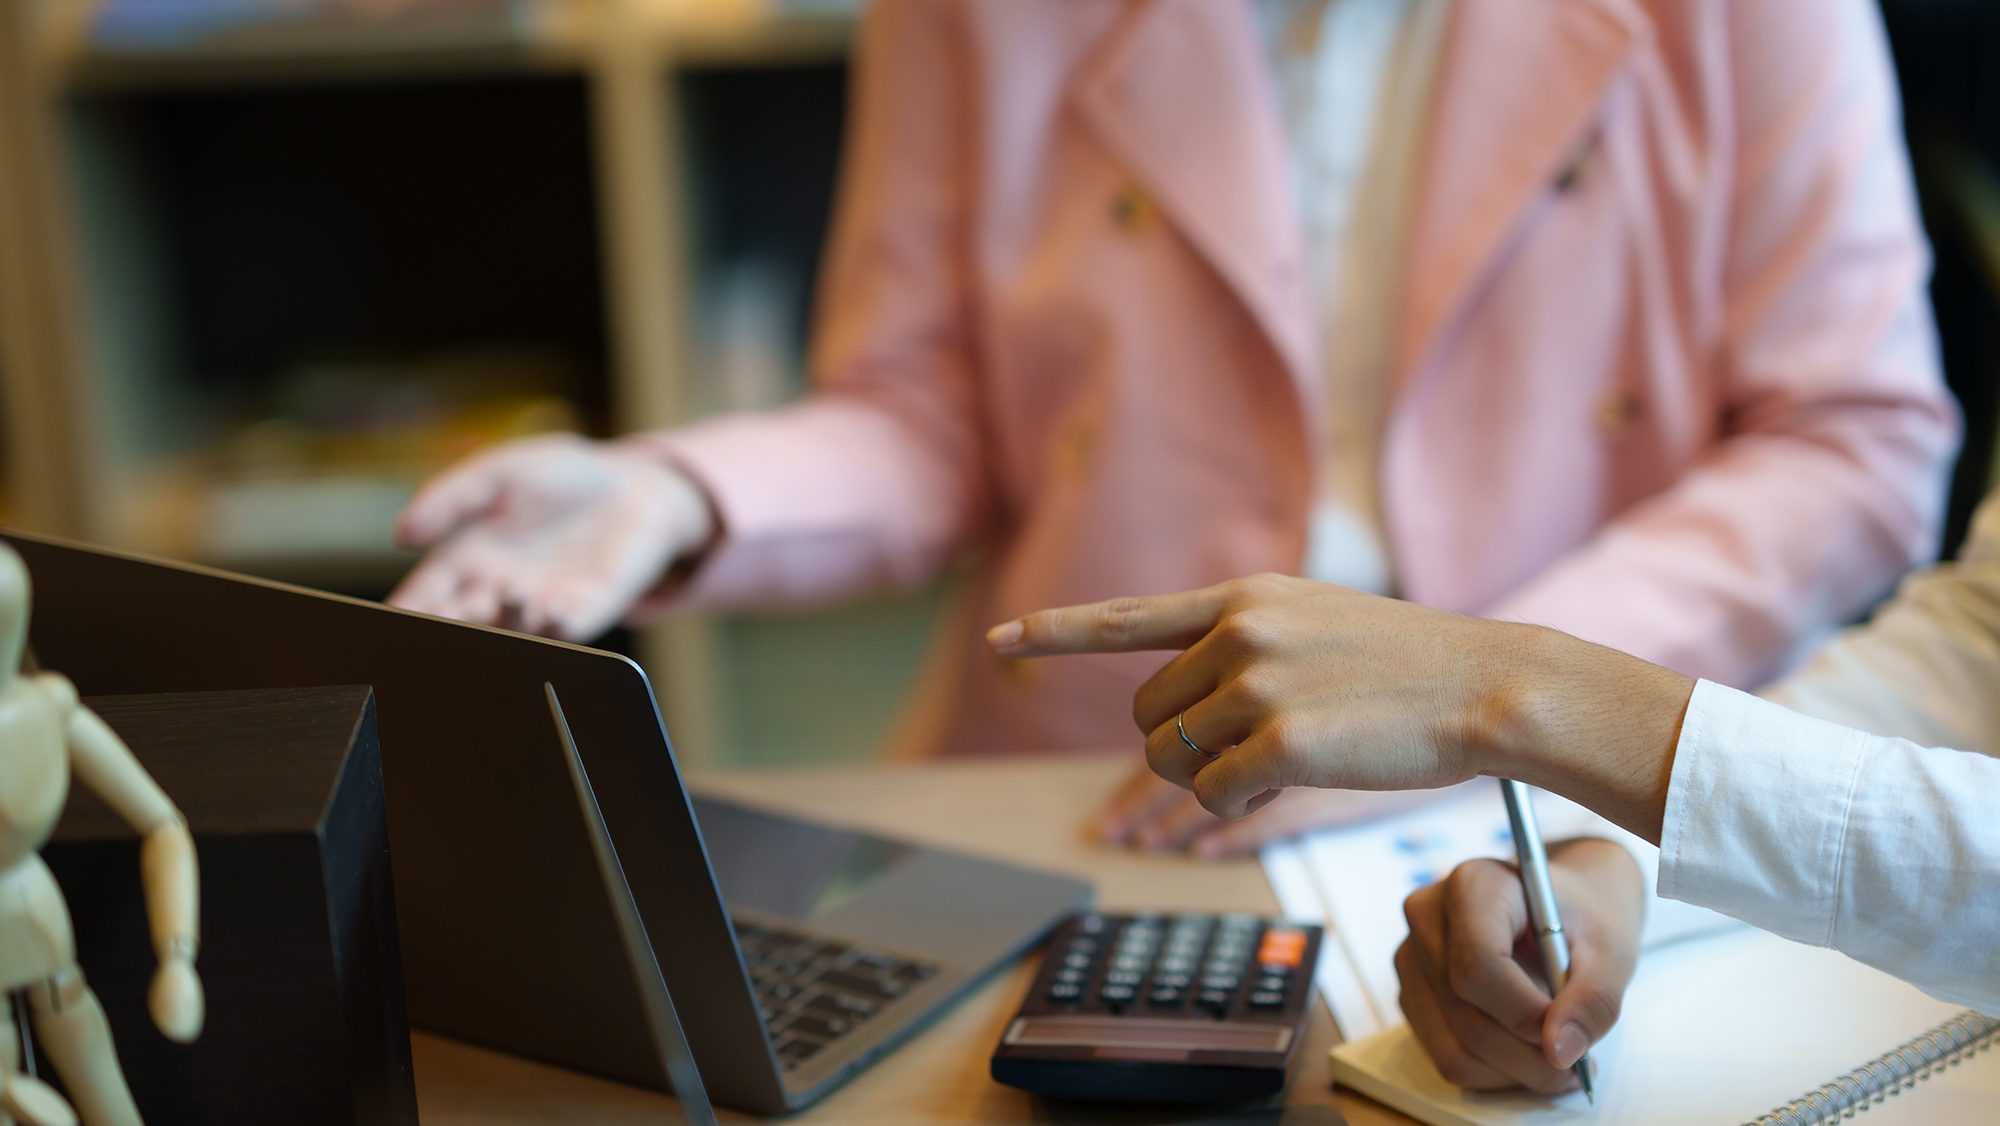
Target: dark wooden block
[{"x": 299, "y": 955}]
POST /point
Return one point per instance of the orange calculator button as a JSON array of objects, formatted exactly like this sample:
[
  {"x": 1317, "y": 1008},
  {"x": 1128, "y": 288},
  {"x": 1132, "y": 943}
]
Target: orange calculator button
[{"x": 1282, "y": 947}]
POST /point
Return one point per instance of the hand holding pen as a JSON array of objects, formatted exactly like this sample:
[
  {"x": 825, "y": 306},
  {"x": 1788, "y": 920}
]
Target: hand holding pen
[{"x": 1469, "y": 974}]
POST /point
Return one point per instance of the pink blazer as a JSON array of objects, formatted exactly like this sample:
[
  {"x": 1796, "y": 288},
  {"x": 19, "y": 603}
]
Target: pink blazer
[{"x": 1666, "y": 373}]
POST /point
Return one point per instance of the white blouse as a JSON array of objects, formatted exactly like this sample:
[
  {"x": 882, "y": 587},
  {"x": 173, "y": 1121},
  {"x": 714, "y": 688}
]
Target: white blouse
[{"x": 1354, "y": 81}]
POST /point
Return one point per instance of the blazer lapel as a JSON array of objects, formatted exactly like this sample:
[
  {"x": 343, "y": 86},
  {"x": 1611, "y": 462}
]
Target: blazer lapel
[
  {"x": 1517, "y": 88},
  {"x": 1182, "y": 94}
]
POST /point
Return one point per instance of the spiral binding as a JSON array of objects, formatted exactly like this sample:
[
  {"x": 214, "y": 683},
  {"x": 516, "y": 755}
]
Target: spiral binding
[{"x": 1891, "y": 1074}]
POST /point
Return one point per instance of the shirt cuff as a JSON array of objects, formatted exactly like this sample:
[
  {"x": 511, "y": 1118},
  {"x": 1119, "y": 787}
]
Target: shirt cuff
[{"x": 1757, "y": 809}]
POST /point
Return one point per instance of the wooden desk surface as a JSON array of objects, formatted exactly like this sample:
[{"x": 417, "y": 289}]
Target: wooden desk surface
[{"x": 1027, "y": 809}]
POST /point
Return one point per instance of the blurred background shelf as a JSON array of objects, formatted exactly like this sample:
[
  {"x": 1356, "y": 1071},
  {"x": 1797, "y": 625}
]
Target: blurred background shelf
[
  {"x": 296, "y": 255},
  {"x": 321, "y": 49},
  {"x": 169, "y": 43}
]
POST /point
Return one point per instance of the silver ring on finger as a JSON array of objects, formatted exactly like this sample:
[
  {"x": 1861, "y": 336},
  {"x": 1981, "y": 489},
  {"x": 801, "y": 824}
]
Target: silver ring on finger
[{"x": 1180, "y": 725}]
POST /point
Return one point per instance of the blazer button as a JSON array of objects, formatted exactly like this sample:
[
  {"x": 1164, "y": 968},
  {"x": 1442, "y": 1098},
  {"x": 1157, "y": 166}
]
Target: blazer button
[
  {"x": 1134, "y": 211},
  {"x": 1573, "y": 169},
  {"x": 1078, "y": 447},
  {"x": 1618, "y": 412}
]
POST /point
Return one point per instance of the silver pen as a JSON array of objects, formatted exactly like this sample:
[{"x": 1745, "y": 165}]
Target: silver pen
[{"x": 1542, "y": 913}]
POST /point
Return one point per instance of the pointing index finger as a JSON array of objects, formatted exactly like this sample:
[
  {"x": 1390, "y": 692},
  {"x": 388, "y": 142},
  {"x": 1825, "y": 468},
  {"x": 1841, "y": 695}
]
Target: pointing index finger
[{"x": 1120, "y": 625}]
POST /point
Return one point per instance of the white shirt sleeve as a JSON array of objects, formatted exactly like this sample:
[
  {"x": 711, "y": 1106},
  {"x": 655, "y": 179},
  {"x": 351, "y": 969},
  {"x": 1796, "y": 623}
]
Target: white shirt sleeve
[{"x": 1883, "y": 849}]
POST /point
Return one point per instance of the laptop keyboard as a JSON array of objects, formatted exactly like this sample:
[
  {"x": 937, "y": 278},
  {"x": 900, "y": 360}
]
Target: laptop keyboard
[{"x": 812, "y": 992}]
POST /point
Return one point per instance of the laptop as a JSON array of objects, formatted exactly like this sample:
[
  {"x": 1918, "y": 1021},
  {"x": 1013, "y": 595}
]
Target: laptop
[{"x": 794, "y": 953}]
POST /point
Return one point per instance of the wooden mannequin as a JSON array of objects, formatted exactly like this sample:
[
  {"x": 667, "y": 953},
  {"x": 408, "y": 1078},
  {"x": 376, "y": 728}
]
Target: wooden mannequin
[{"x": 45, "y": 735}]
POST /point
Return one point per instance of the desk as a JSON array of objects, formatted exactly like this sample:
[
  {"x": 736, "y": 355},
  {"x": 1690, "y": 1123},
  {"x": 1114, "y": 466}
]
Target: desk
[{"x": 1025, "y": 809}]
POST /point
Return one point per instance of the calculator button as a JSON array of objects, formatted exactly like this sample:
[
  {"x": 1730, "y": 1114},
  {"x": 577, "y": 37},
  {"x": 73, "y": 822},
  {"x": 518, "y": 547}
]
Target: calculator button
[
  {"x": 1065, "y": 991},
  {"x": 1282, "y": 946},
  {"x": 1220, "y": 981},
  {"x": 1267, "y": 999},
  {"x": 1071, "y": 977},
  {"x": 1076, "y": 961},
  {"x": 1271, "y": 984},
  {"x": 1215, "y": 998},
  {"x": 1173, "y": 980},
  {"x": 1122, "y": 977},
  {"x": 1166, "y": 995},
  {"x": 1117, "y": 994}
]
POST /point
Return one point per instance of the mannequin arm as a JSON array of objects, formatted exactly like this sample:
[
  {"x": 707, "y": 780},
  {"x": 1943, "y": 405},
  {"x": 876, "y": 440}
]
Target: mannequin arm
[{"x": 167, "y": 864}]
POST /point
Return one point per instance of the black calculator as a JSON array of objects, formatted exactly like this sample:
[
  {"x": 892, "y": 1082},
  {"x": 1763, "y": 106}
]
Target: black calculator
[{"x": 1162, "y": 1008}]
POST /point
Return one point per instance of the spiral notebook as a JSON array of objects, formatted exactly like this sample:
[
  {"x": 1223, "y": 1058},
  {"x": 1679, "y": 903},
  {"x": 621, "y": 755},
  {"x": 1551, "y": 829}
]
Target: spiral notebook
[{"x": 1741, "y": 1027}]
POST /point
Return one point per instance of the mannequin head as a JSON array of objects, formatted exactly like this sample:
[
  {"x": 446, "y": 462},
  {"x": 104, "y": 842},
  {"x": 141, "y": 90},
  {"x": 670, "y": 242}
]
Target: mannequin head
[{"x": 14, "y": 599}]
